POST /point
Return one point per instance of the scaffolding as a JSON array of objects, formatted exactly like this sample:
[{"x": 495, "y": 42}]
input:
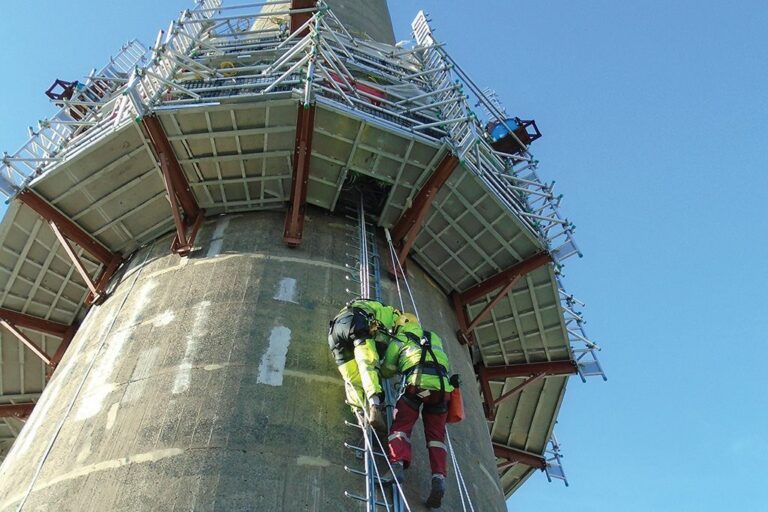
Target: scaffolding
[{"x": 214, "y": 57}]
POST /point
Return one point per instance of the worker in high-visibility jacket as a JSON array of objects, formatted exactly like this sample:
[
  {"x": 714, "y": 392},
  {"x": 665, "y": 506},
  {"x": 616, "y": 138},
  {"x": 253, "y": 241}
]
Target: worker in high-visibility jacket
[
  {"x": 419, "y": 356},
  {"x": 352, "y": 339}
]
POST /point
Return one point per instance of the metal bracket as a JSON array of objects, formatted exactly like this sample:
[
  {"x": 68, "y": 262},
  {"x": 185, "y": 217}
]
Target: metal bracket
[
  {"x": 407, "y": 228},
  {"x": 294, "y": 219},
  {"x": 187, "y": 215},
  {"x": 533, "y": 371}
]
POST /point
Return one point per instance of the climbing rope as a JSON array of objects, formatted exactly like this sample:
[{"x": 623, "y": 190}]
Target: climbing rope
[{"x": 462, "y": 486}]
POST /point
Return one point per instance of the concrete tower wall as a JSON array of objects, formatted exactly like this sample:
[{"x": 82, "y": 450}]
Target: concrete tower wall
[
  {"x": 369, "y": 18},
  {"x": 206, "y": 383}
]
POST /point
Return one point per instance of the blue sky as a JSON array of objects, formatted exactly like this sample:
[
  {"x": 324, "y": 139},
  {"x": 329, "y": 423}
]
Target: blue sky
[{"x": 654, "y": 120}]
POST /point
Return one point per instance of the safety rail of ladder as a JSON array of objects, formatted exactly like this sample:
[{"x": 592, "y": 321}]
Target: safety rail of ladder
[
  {"x": 584, "y": 350},
  {"x": 365, "y": 270},
  {"x": 93, "y": 109},
  {"x": 512, "y": 177},
  {"x": 553, "y": 460}
]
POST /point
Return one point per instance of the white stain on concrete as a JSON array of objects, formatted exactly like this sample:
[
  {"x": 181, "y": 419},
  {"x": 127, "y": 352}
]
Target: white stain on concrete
[
  {"x": 141, "y": 373},
  {"x": 319, "y": 462},
  {"x": 273, "y": 361},
  {"x": 217, "y": 238},
  {"x": 100, "y": 384},
  {"x": 286, "y": 290},
  {"x": 196, "y": 333},
  {"x": 112, "y": 415},
  {"x": 163, "y": 319},
  {"x": 107, "y": 465},
  {"x": 314, "y": 378}
]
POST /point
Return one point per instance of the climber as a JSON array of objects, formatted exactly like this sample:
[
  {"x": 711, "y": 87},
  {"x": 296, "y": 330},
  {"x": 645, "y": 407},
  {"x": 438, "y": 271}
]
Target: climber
[
  {"x": 352, "y": 338},
  {"x": 418, "y": 355}
]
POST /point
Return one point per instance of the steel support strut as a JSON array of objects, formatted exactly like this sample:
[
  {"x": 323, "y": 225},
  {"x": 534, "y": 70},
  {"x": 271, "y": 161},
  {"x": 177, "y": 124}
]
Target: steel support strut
[
  {"x": 20, "y": 411},
  {"x": 294, "y": 219},
  {"x": 187, "y": 215},
  {"x": 407, "y": 228},
  {"x": 66, "y": 230},
  {"x": 512, "y": 454},
  {"x": 533, "y": 371},
  {"x": 13, "y": 321},
  {"x": 31, "y": 345},
  {"x": 505, "y": 279}
]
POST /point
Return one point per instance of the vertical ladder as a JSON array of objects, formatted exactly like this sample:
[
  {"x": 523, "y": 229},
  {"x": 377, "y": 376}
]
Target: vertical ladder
[{"x": 365, "y": 269}]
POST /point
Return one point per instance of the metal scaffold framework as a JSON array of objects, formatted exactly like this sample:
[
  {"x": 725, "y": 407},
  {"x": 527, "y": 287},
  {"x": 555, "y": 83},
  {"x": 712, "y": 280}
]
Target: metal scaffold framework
[{"x": 236, "y": 109}]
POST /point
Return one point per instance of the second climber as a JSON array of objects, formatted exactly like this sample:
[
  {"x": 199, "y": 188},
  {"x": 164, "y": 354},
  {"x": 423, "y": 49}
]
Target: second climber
[{"x": 419, "y": 356}]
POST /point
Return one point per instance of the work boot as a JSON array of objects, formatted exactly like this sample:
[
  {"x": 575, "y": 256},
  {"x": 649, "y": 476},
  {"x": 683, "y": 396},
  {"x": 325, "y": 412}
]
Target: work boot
[
  {"x": 437, "y": 492},
  {"x": 394, "y": 474},
  {"x": 376, "y": 417}
]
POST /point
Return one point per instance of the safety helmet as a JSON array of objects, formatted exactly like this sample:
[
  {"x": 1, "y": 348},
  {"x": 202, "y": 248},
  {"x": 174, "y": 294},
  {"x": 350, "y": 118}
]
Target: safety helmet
[{"x": 406, "y": 318}]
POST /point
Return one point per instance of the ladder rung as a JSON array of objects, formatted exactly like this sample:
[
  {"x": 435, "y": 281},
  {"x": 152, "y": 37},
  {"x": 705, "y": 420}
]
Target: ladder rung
[
  {"x": 355, "y": 471},
  {"x": 355, "y": 497}
]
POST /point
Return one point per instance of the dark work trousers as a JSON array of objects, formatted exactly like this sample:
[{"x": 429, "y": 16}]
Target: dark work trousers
[{"x": 433, "y": 416}]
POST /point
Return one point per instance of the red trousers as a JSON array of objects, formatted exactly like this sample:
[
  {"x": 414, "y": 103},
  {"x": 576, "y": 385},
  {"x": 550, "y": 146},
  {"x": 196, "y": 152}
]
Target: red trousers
[{"x": 434, "y": 415}]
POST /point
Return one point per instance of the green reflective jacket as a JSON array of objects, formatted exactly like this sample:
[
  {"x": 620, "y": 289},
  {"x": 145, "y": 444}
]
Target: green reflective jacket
[
  {"x": 385, "y": 315},
  {"x": 404, "y": 354}
]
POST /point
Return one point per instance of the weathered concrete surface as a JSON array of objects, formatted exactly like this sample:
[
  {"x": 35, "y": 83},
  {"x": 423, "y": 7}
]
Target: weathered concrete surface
[
  {"x": 368, "y": 19},
  {"x": 206, "y": 383}
]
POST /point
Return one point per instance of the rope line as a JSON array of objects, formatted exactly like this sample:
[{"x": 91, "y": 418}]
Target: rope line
[{"x": 462, "y": 486}]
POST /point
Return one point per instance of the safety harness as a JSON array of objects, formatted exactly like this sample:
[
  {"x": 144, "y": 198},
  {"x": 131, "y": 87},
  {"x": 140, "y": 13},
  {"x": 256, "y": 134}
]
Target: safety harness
[{"x": 427, "y": 367}]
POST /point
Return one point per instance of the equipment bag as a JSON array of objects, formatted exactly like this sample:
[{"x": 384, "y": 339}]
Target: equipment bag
[{"x": 455, "y": 407}]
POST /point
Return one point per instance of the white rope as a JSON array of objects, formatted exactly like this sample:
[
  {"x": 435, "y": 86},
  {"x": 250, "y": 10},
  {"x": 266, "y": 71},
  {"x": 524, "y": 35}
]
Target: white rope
[
  {"x": 463, "y": 491},
  {"x": 389, "y": 465},
  {"x": 71, "y": 404},
  {"x": 405, "y": 278},
  {"x": 394, "y": 269}
]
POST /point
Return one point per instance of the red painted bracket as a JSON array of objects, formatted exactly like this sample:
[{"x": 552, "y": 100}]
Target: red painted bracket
[
  {"x": 514, "y": 455},
  {"x": 407, "y": 228},
  {"x": 294, "y": 219},
  {"x": 20, "y": 411},
  {"x": 66, "y": 231},
  {"x": 31, "y": 345},
  {"x": 13, "y": 321},
  {"x": 534, "y": 372},
  {"x": 505, "y": 279},
  {"x": 300, "y": 18},
  {"x": 187, "y": 215}
]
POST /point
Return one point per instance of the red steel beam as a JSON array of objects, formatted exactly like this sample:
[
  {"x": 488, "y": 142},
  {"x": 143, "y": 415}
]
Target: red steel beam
[
  {"x": 298, "y": 19},
  {"x": 73, "y": 256},
  {"x": 407, "y": 228},
  {"x": 59, "y": 354},
  {"x": 529, "y": 459},
  {"x": 504, "y": 277},
  {"x": 464, "y": 334},
  {"x": 33, "y": 323},
  {"x": 526, "y": 370},
  {"x": 488, "y": 307},
  {"x": 179, "y": 192},
  {"x": 294, "y": 219},
  {"x": 39, "y": 352},
  {"x": 102, "y": 281},
  {"x": 514, "y": 391},
  {"x": 534, "y": 372},
  {"x": 71, "y": 230},
  {"x": 21, "y": 411}
]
